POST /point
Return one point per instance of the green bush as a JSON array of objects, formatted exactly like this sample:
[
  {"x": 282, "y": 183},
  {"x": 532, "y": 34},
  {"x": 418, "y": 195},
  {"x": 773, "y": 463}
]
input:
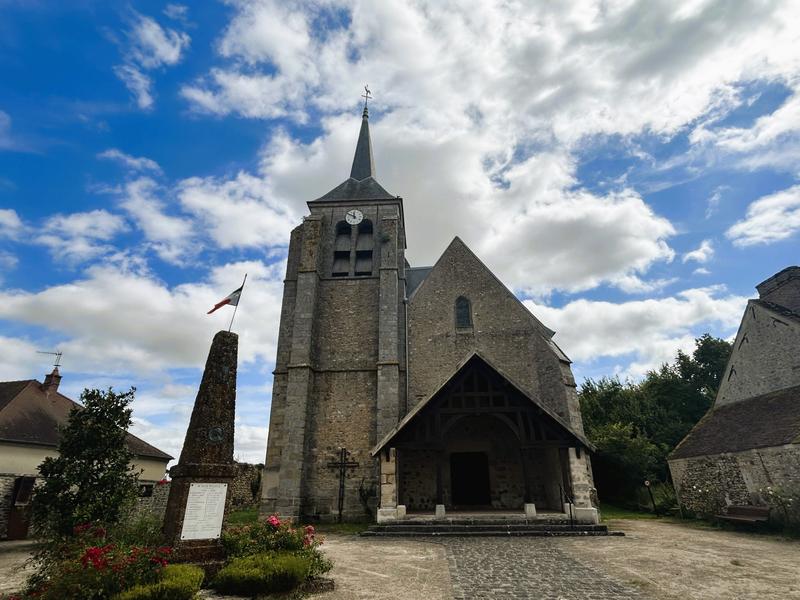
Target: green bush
[
  {"x": 263, "y": 574},
  {"x": 178, "y": 582},
  {"x": 274, "y": 535}
]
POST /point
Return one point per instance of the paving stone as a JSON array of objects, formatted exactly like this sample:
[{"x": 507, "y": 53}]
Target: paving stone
[{"x": 525, "y": 568}]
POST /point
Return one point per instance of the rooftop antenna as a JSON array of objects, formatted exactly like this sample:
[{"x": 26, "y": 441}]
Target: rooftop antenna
[{"x": 57, "y": 354}]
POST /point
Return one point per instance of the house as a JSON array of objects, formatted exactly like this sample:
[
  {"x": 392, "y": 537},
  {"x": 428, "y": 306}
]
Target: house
[
  {"x": 30, "y": 416},
  {"x": 750, "y": 439}
]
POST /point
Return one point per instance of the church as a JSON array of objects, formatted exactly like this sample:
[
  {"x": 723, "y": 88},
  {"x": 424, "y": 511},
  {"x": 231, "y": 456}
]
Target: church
[{"x": 402, "y": 390}]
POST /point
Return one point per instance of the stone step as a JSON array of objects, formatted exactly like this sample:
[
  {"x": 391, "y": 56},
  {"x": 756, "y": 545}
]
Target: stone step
[
  {"x": 494, "y": 533},
  {"x": 432, "y": 527}
]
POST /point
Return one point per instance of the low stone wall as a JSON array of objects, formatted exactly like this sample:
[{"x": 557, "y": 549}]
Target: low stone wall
[
  {"x": 6, "y": 488},
  {"x": 156, "y": 503},
  {"x": 707, "y": 483},
  {"x": 248, "y": 478}
]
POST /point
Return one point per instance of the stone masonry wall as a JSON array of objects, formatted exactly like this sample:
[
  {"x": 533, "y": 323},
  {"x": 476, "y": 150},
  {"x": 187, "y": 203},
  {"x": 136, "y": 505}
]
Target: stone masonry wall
[
  {"x": 503, "y": 331},
  {"x": 342, "y": 415},
  {"x": 764, "y": 357},
  {"x": 735, "y": 478},
  {"x": 6, "y": 488}
]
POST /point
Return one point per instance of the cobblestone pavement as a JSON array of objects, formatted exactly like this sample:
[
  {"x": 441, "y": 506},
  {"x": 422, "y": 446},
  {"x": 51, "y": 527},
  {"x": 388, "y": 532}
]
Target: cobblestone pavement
[{"x": 525, "y": 568}]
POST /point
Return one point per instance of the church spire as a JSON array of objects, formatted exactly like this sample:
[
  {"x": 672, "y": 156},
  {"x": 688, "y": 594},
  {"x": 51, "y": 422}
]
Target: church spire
[{"x": 363, "y": 163}]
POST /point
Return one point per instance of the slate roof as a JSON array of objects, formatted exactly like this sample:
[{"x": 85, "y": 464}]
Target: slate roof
[
  {"x": 477, "y": 356},
  {"x": 353, "y": 189},
  {"x": 29, "y": 415},
  {"x": 415, "y": 276},
  {"x": 362, "y": 184},
  {"x": 363, "y": 163},
  {"x": 764, "y": 421}
]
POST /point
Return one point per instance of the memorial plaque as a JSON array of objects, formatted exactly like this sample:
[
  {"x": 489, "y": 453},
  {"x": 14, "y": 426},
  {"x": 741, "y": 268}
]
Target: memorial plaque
[{"x": 205, "y": 509}]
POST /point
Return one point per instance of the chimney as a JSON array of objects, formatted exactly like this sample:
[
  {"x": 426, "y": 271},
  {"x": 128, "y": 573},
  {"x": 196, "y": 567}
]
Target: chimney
[
  {"x": 782, "y": 289},
  {"x": 51, "y": 381}
]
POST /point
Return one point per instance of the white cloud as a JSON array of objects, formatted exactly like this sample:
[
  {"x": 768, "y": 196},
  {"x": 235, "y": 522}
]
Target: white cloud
[
  {"x": 179, "y": 12},
  {"x": 702, "y": 254},
  {"x": 769, "y": 219},
  {"x": 701, "y": 271},
  {"x": 150, "y": 46},
  {"x": 133, "y": 163},
  {"x": 18, "y": 357},
  {"x": 239, "y": 212},
  {"x": 154, "y": 46},
  {"x": 138, "y": 83},
  {"x": 171, "y": 237},
  {"x": 120, "y": 321},
  {"x": 651, "y": 331},
  {"x": 772, "y": 141},
  {"x": 479, "y": 132},
  {"x": 11, "y": 225},
  {"x": 78, "y": 237}
]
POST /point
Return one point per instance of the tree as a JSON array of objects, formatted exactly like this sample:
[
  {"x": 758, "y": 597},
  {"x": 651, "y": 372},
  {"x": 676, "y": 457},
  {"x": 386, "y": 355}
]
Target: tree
[
  {"x": 91, "y": 480},
  {"x": 636, "y": 425}
]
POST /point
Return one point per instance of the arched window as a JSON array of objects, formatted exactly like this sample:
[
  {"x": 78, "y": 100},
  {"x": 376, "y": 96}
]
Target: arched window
[
  {"x": 463, "y": 312},
  {"x": 364, "y": 248},
  {"x": 341, "y": 250}
]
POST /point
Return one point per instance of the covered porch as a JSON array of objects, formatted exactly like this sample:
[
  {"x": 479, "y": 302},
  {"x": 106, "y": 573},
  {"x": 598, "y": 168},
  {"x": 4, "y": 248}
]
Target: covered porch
[{"x": 479, "y": 447}]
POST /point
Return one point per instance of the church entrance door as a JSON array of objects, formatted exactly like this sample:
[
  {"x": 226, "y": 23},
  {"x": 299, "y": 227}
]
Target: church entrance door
[{"x": 469, "y": 478}]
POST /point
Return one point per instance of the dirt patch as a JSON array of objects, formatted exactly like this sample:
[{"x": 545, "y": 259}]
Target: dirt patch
[
  {"x": 13, "y": 570},
  {"x": 669, "y": 561},
  {"x": 386, "y": 569}
]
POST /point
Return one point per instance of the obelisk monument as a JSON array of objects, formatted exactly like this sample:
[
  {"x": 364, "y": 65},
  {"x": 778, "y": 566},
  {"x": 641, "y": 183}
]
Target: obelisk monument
[{"x": 199, "y": 496}]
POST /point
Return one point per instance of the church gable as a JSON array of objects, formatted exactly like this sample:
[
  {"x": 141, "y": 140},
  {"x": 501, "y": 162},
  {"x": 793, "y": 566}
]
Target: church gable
[
  {"x": 764, "y": 356},
  {"x": 460, "y": 308}
]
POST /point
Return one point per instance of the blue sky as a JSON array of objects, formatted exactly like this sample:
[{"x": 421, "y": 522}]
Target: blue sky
[{"x": 628, "y": 168}]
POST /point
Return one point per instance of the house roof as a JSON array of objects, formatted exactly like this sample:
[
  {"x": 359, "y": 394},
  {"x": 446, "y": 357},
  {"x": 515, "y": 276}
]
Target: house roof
[
  {"x": 361, "y": 184},
  {"x": 463, "y": 365},
  {"x": 764, "y": 421},
  {"x": 31, "y": 415},
  {"x": 414, "y": 277}
]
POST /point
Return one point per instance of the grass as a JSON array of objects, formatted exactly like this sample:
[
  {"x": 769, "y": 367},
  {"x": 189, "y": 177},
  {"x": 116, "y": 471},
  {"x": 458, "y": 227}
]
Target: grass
[
  {"x": 243, "y": 516},
  {"x": 246, "y": 516},
  {"x": 609, "y": 511}
]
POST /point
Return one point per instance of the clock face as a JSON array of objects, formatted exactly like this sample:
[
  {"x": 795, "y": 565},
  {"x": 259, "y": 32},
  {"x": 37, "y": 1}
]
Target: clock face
[{"x": 354, "y": 217}]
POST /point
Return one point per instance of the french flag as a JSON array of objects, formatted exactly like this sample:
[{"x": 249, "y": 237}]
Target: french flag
[{"x": 231, "y": 299}]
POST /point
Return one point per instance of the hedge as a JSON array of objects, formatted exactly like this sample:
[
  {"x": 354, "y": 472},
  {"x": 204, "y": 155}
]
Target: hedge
[
  {"x": 262, "y": 574},
  {"x": 178, "y": 582}
]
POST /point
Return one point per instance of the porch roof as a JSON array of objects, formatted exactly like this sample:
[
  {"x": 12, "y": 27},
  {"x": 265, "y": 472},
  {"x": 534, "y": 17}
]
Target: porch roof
[{"x": 412, "y": 414}]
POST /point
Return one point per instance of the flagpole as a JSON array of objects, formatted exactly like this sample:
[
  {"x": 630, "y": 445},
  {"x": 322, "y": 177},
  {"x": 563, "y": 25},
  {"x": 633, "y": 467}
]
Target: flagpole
[{"x": 235, "y": 308}]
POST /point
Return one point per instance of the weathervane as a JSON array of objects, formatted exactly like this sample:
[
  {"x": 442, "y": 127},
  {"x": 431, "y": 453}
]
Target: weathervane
[{"x": 367, "y": 95}]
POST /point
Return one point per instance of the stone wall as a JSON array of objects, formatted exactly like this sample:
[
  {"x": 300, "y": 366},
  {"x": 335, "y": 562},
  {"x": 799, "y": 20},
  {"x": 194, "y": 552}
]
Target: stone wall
[
  {"x": 764, "y": 357},
  {"x": 248, "y": 477},
  {"x": 503, "y": 331},
  {"x": 6, "y": 488},
  {"x": 341, "y": 416},
  {"x": 735, "y": 478},
  {"x": 155, "y": 504}
]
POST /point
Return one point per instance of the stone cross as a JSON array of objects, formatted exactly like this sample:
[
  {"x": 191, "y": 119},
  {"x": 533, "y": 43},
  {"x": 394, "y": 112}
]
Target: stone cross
[{"x": 342, "y": 464}]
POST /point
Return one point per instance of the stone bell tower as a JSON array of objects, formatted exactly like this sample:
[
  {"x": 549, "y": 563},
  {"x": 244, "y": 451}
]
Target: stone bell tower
[{"x": 339, "y": 377}]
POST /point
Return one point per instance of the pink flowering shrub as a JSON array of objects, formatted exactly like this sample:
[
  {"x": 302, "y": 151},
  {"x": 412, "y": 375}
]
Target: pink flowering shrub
[{"x": 274, "y": 535}]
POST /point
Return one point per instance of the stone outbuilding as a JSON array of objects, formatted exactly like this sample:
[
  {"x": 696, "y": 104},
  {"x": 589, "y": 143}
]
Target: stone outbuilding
[
  {"x": 31, "y": 413},
  {"x": 419, "y": 389},
  {"x": 750, "y": 439}
]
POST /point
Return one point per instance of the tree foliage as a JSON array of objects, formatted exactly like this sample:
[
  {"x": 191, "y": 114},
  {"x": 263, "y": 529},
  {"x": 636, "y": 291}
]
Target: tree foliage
[
  {"x": 91, "y": 480},
  {"x": 635, "y": 425}
]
